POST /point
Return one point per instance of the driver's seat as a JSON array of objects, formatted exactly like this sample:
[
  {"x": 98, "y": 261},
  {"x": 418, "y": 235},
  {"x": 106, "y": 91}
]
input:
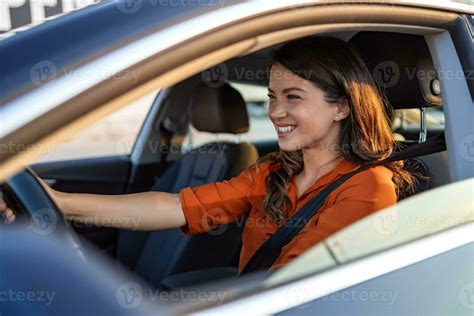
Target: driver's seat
[{"x": 157, "y": 255}]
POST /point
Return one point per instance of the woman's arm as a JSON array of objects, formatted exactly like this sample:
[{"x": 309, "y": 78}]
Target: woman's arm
[
  {"x": 203, "y": 208},
  {"x": 137, "y": 211}
]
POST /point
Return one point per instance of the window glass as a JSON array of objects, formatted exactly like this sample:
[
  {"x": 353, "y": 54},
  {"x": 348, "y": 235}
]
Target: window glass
[
  {"x": 406, "y": 122},
  {"x": 111, "y": 136}
]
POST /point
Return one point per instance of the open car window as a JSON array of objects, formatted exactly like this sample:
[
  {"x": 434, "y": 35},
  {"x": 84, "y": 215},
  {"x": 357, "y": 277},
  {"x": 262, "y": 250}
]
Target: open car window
[
  {"x": 406, "y": 221},
  {"x": 411, "y": 118},
  {"x": 114, "y": 135}
]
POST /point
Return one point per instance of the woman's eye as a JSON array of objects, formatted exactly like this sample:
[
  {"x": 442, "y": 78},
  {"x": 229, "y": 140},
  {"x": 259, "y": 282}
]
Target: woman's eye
[
  {"x": 270, "y": 96},
  {"x": 293, "y": 96}
]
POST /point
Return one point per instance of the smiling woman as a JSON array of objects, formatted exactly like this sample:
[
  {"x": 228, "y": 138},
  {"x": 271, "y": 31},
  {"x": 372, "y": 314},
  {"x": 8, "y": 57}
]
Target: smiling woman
[
  {"x": 330, "y": 119},
  {"x": 325, "y": 107}
]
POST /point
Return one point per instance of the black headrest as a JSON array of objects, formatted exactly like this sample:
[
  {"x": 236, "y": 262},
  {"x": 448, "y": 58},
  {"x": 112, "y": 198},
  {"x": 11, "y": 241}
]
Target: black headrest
[
  {"x": 219, "y": 110},
  {"x": 401, "y": 65}
]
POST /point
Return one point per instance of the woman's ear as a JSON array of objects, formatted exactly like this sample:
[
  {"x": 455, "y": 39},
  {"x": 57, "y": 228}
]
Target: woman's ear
[{"x": 342, "y": 111}]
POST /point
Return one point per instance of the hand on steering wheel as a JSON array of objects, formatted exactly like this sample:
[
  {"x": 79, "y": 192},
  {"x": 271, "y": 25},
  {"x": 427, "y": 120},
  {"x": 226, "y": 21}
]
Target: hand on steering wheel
[
  {"x": 7, "y": 215},
  {"x": 26, "y": 192}
]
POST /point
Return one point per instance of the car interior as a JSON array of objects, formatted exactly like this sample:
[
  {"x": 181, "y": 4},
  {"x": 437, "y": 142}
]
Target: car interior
[
  {"x": 404, "y": 45},
  {"x": 219, "y": 108}
]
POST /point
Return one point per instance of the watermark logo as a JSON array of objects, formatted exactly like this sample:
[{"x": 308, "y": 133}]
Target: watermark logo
[
  {"x": 129, "y": 295},
  {"x": 11, "y": 295},
  {"x": 124, "y": 146},
  {"x": 44, "y": 221},
  {"x": 387, "y": 73},
  {"x": 215, "y": 221},
  {"x": 129, "y": 6},
  {"x": 42, "y": 72},
  {"x": 466, "y": 147},
  {"x": 298, "y": 141},
  {"x": 386, "y": 222},
  {"x": 466, "y": 295},
  {"x": 354, "y": 295},
  {"x": 216, "y": 76},
  {"x": 300, "y": 296}
]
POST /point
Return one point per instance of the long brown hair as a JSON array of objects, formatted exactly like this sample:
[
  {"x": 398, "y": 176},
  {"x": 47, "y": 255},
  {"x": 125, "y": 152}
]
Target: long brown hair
[{"x": 366, "y": 134}]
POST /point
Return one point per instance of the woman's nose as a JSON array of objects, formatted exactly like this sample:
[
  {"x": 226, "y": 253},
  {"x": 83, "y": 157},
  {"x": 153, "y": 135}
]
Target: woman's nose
[{"x": 277, "y": 110}]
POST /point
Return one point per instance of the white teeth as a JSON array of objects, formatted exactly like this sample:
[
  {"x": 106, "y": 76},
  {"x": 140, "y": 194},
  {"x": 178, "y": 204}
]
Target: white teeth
[{"x": 284, "y": 129}]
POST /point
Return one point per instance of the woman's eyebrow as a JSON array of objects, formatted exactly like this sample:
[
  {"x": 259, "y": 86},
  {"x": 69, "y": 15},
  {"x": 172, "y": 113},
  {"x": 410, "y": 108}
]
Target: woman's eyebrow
[{"x": 286, "y": 90}]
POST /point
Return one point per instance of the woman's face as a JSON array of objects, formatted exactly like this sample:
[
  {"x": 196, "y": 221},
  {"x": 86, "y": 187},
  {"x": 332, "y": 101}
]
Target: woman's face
[{"x": 301, "y": 116}]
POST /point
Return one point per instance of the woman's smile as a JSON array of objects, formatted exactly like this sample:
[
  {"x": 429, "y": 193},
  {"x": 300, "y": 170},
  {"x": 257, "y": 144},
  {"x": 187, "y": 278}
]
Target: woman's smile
[{"x": 284, "y": 130}]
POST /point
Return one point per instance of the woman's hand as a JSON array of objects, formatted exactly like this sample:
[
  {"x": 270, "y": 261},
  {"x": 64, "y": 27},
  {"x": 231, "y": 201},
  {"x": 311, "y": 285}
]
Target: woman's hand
[
  {"x": 135, "y": 211},
  {"x": 6, "y": 212},
  {"x": 7, "y": 215}
]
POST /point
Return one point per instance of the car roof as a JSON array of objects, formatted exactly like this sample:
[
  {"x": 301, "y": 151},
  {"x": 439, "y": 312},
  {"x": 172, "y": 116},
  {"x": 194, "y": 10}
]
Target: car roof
[{"x": 64, "y": 42}]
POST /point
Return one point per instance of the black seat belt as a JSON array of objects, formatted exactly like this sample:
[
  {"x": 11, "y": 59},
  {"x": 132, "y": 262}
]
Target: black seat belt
[{"x": 266, "y": 255}]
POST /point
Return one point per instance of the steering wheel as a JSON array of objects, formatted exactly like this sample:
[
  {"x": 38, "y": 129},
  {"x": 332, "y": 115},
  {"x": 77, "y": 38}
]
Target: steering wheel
[{"x": 25, "y": 191}]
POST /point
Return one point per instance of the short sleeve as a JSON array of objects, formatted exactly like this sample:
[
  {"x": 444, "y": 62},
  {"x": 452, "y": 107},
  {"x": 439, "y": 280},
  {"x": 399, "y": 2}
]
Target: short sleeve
[{"x": 207, "y": 206}]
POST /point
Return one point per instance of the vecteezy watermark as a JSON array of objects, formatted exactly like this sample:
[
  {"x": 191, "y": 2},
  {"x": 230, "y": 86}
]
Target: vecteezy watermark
[
  {"x": 44, "y": 221},
  {"x": 437, "y": 222},
  {"x": 189, "y": 3},
  {"x": 12, "y": 295},
  {"x": 12, "y": 147},
  {"x": 125, "y": 145},
  {"x": 363, "y": 296},
  {"x": 129, "y": 223},
  {"x": 129, "y": 6},
  {"x": 466, "y": 295},
  {"x": 441, "y": 74},
  {"x": 386, "y": 73},
  {"x": 216, "y": 76},
  {"x": 47, "y": 70},
  {"x": 302, "y": 296},
  {"x": 386, "y": 222},
  {"x": 183, "y": 295},
  {"x": 131, "y": 294},
  {"x": 132, "y": 6},
  {"x": 215, "y": 221},
  {"x": 42, "y": 72},
  {"x": 101, "y": 74},
  {"x": 466, "y": 147}
]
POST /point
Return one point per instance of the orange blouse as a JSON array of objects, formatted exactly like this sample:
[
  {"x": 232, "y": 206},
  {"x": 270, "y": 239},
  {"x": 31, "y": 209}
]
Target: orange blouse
[{"x": 208, "y": 206}]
